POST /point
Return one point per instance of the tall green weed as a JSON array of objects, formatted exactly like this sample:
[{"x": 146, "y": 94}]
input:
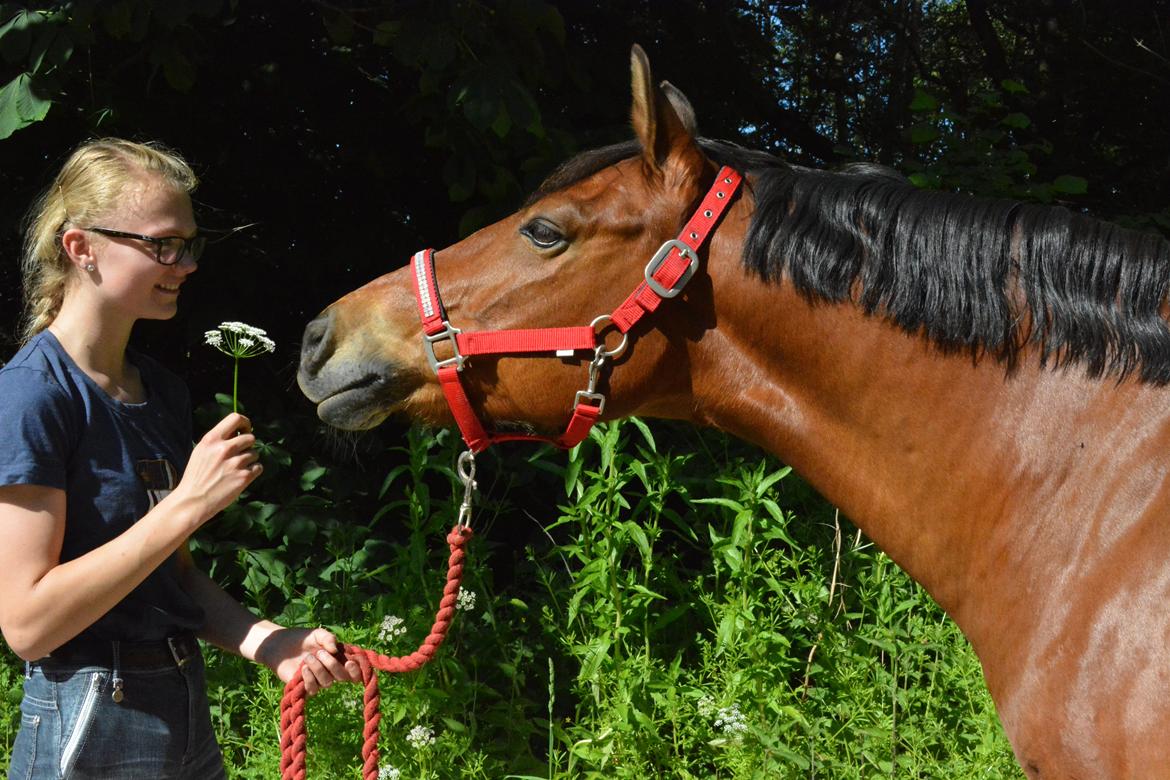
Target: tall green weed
[{"x": 658, "y": 602}]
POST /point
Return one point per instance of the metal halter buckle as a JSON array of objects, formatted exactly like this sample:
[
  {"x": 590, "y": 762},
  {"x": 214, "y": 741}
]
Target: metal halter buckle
[
  {"x": 429, "y": 341},
  {"x": 660, "y": 257}
]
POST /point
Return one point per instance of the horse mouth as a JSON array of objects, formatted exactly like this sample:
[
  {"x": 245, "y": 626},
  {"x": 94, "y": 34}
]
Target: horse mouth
[{"x": 357, "y": 400}]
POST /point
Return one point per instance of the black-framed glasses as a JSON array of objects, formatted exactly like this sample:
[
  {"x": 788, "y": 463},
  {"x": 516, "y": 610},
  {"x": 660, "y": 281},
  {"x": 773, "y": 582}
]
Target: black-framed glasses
[{"x": 168, "y": 250}]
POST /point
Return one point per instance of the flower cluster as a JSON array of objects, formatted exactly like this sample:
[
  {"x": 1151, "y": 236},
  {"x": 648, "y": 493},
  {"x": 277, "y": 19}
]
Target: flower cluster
[
  {"x": 239, "y": 340},
  {"x": 392, "y": 627},
  {"x": 465, "y": 600},
  {"x": 421, "y": 737},
  {"x": 731, "y": 721},
  {"x": 389, "y": 773}
]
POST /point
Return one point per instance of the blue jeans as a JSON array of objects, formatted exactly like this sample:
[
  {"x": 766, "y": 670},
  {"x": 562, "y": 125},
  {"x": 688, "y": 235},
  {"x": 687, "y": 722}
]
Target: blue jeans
[{"x": 71, "y": 727}]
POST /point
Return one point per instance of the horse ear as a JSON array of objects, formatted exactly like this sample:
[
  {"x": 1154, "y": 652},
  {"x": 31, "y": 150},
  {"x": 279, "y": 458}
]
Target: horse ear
[
  {"x": 662, "y": 117},
  {"x": 682, "y": 107}
]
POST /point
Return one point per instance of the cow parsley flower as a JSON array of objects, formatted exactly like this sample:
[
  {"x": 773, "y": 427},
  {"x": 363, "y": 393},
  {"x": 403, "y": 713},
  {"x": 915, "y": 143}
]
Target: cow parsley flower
[
  {"x": 421, "y": 737},
  {"x": 731, "y": 721},
  {"x": 238, "y": 340},
  {"x": 392, "y": 627},
  {"x": 388, "y": 772},
  {"x": 465, "y": 601}
]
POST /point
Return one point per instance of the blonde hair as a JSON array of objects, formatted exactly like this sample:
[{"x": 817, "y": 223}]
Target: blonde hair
[{"x": 87, "y": 188}]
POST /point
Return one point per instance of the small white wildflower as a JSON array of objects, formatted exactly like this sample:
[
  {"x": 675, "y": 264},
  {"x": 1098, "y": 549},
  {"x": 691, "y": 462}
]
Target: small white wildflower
[
  {"x": 389, "y": 773},
  {"x": 706, "y": 706},
  {"x": 239, "y": 340},
  {"x": 465, "y": 600},
  {"x": 421, "y": 737},
  {"x": 731, "y": 721},
  {"x": 392, "y": 626}
]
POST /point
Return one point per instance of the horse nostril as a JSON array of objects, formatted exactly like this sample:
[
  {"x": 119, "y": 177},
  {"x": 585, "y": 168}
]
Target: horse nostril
[{"x": 315, "y": 346}]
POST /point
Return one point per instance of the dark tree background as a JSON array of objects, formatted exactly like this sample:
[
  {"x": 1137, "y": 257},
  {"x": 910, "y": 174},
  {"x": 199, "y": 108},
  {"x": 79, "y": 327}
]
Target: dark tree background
[{"x": 346, "y": 135}]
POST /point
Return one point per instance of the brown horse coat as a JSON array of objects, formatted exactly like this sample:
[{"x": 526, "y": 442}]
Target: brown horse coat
[{"x": 1021, "y": 480}]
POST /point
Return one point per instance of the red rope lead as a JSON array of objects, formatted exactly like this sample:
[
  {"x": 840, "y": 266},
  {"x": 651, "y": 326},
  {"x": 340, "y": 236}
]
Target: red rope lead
[{"x": 294, "y": 734}]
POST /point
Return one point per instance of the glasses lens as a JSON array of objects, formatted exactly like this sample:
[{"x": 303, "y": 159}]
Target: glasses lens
[{"x": 173, "y": 250}]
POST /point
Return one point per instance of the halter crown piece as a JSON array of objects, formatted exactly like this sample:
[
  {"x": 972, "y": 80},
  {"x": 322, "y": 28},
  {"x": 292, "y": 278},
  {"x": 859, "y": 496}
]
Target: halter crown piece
[{"x": 668, "y": 271}]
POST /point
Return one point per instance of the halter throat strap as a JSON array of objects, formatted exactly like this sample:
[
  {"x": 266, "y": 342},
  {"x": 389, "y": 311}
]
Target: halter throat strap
[{"x": 665, "y": 276}]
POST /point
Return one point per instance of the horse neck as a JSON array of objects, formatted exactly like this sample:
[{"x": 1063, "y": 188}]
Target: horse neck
[{"x": 941, "y": 459}]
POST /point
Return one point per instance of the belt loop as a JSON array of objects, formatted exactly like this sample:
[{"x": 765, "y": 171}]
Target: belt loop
[
  {"x": 27, "y": 670},
  {"x": 117, "y": 695}
]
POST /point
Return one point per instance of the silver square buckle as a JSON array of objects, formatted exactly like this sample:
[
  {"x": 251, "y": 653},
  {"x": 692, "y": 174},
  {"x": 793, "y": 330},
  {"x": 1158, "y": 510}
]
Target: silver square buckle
[{"x": 660, "y": 258}]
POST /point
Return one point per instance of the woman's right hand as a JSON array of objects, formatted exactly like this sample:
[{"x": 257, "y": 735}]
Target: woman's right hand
[{"x": 222, "y": 464}]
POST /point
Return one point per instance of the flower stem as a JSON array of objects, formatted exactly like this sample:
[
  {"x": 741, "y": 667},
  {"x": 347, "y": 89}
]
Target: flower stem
[{"x": 235, "y": 382}]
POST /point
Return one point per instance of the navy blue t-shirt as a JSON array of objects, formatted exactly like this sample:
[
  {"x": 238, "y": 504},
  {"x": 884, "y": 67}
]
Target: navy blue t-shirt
[{"x": 114, "y": 461}]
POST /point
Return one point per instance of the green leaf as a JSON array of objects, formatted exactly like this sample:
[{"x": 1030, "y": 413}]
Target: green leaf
[
  {"x": 1016, "y": 120},
  {"x": 639, "y": 536},
  {"x": 725, "y": 502},
  {"x": 923, "y": 133},
  {"x": 311, "y": 476},
  {"x": 645, "y": 430},
  {"x": 20, "y": 106},
  {"x": 1013, "y": 86},
  {"x": 178, "y": 69},
  {"x": 15, "y": 35},
  {"x": 925, "y": 181},
  {"x": 772, "y": 479},
  {"x": 1070, "y": 185},
  {"x": 923, "y": 101}
]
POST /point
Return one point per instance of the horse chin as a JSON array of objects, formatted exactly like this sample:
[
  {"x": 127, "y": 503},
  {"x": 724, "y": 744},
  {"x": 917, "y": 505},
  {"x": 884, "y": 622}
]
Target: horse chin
[
  {"x": 350, "y": 414},
  {"x": 358, "y": 398}
]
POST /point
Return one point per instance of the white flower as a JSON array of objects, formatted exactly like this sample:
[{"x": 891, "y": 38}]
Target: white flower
[
  {"x": 239, "y": 340},
  {"x": 465, "y": 600},
  {"x": 388, "y": 773},
  {"x": 731, "y": 721},
  {"x": 421, "y": 737},
  {"x": 706, "y": 706},
  {"x": 392, "y": 626}
]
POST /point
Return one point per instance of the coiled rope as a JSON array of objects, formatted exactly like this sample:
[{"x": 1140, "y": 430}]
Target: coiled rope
[{"x": 293, "y": 731}]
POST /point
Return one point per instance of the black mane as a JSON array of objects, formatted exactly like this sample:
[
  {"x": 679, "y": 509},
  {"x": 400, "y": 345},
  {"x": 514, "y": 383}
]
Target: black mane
[{"x": 988, "y": 276}]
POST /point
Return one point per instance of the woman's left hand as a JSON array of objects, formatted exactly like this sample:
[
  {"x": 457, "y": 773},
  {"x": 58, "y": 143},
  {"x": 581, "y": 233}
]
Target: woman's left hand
[{"x": 285, "y": 649}]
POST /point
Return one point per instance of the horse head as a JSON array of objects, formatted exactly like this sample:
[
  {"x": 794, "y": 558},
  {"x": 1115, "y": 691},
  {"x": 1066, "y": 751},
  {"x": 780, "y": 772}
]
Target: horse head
[{"x": 569, "y": 255}]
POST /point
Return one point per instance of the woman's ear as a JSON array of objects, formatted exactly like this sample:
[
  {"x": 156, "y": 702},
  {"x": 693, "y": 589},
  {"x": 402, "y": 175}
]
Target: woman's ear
[{"x": 78, "y": 247}]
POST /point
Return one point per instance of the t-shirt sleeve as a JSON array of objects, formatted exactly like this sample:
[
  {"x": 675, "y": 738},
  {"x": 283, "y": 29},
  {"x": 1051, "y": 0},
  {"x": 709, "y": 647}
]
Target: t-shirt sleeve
[{"x": 36, "y": 429}]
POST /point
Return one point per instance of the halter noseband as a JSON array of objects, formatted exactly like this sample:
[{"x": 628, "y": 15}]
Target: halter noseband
[{"x": 666, "y": 274}]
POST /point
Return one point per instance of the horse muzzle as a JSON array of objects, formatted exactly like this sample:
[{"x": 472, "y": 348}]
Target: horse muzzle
[{"x": 352, "y": 390}]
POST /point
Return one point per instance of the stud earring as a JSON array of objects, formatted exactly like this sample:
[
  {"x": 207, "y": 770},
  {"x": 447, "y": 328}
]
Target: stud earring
[{"x": 90, "y": 267}]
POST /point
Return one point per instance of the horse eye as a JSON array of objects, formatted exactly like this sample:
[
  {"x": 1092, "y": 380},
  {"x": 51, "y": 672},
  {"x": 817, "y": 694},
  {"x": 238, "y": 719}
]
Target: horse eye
[{"x": 542, "y": 234}]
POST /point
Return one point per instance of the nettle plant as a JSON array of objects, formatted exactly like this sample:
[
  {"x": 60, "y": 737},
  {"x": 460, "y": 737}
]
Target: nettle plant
[{"x": 238, "y": 341}]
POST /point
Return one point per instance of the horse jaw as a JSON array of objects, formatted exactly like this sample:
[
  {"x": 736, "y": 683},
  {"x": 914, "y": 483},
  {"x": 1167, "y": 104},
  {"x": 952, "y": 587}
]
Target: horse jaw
[{"x": 357, "y": 370}]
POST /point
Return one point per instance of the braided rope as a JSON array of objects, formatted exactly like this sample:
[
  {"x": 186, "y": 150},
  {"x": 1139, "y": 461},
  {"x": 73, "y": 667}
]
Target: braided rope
[{"x": 293, "y": 731}]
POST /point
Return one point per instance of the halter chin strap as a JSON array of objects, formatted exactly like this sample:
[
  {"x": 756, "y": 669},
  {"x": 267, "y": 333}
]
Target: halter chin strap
[{"x": 668, "y": 271}]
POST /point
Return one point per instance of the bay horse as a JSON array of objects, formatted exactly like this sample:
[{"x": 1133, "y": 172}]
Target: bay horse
[{"x": 980, "y": 385}]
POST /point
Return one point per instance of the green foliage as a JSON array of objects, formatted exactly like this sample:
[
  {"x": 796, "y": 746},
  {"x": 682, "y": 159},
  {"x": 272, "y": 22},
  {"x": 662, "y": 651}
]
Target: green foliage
[
  {"x": 41, "y": 44},
  {"x": 691, "y": 609}
]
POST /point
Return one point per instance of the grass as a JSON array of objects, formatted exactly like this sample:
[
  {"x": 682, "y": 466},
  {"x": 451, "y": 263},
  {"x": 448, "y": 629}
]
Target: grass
[{"x": 657, "y": 603}]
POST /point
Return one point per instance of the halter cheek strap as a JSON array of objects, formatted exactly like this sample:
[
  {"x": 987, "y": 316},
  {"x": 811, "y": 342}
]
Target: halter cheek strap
[{"x": 667, "y": 273}]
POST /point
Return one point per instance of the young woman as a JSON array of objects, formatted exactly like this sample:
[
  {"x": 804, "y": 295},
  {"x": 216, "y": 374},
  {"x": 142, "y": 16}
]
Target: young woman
[{"x": 100, "y": 489}]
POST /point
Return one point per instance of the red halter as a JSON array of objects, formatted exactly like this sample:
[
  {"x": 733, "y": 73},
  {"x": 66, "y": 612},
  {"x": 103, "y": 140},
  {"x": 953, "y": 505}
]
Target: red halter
[{"x": 666, "y": 274}]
